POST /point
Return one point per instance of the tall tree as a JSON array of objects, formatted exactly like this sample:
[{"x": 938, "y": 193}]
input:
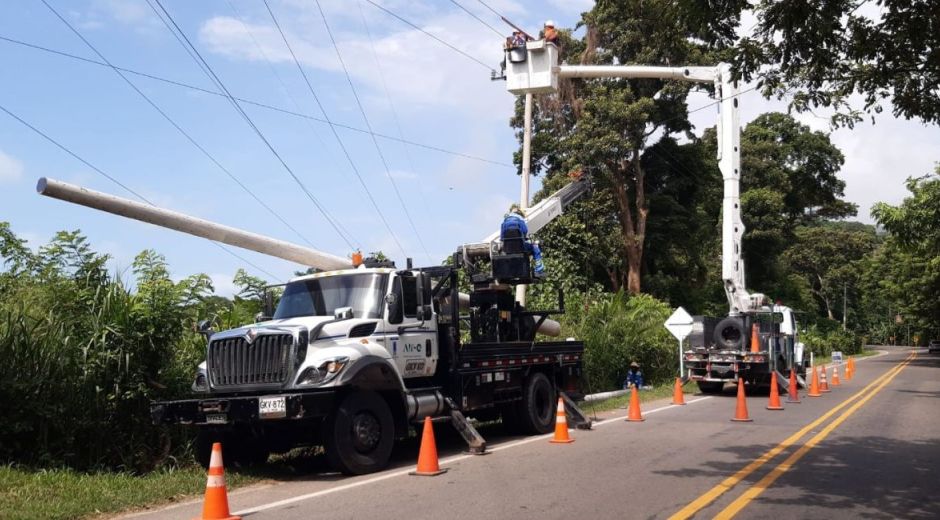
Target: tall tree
[{"x": 828, "y": 50}]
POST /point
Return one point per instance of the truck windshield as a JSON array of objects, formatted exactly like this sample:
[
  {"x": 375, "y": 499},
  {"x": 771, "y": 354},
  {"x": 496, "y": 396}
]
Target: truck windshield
[{"x": 321, "y": 296}]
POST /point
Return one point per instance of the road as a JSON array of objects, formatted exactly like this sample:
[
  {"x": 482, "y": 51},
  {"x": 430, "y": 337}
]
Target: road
[{"x": 870, "y": 448}]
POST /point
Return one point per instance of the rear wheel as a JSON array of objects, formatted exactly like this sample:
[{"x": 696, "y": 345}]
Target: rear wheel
[
  {"x": 710, "y": 387},
  {"x": 537, "y": 409},
  {"x": 359, "y": 436}
]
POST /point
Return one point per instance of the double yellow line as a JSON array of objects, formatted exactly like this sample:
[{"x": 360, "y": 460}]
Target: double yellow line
[{"x": 726, "y": 485}]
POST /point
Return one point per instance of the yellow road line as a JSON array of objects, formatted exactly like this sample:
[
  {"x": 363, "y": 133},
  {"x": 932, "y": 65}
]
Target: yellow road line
[
  {"x": 709, "y": 496},
  {"x": 768, "y": 480}
]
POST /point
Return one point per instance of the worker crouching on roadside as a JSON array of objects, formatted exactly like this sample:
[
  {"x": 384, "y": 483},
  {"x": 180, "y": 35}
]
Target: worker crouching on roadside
[{"x": 634, "y": 377}]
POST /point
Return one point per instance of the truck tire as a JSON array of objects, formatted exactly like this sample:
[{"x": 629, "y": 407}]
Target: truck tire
[
  {"x": 359, "y": 435},
  {"x": 730, "y": 334},
  {"x": 538, "y": 405},
  {"x": 710, "y": 387}
]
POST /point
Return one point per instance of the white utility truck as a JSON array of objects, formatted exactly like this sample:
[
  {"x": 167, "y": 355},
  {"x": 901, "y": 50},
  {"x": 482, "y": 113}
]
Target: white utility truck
[{"x": 353, "y": 355}]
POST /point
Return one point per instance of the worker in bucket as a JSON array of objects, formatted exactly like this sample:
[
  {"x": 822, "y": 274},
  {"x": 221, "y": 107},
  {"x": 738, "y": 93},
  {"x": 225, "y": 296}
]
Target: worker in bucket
[
  {"x": 549, "y": 33},
  {"x": 634, "y": 377},
  {"x": 514, "y": 227}
]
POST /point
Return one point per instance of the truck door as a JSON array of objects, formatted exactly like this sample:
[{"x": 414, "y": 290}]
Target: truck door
[{"x": 412, "y": 335}]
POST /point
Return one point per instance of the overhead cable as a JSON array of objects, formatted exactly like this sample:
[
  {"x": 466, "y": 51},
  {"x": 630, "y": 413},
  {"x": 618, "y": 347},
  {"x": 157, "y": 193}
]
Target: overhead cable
[
  {"x": 365, "y": 118},
  {"x": 178, "y": 128},
  {"x": 113, "y": 179},
  {"x": 215, "y": 78},
  {"x": 254, "y": 103},
  {"x": 442, "y": 42}
]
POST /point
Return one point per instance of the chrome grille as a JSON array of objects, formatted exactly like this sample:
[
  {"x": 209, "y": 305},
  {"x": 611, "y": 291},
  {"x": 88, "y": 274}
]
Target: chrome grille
[{"x": 235, "y": 362}]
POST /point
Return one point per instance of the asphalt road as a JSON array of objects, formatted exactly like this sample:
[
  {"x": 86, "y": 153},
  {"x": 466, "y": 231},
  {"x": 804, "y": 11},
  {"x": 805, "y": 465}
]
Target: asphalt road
[{"x": 868, "y": 449}]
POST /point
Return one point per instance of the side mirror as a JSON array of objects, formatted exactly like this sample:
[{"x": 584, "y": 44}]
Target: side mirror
[
  {"x": 426, "y": 312},
  {"x": 268, "y": 304},
  {"x": 204, "y": 327},
  {"x": 343, "y": 313}
]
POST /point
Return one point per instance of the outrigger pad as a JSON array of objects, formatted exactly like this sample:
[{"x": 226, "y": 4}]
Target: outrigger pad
[
  {"x": 476, "y": 444},
  {"x": 575, "y": 416}
]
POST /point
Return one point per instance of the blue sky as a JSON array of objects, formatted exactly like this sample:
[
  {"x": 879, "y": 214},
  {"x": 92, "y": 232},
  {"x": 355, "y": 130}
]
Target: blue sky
[{"x": 441, "y": 99}]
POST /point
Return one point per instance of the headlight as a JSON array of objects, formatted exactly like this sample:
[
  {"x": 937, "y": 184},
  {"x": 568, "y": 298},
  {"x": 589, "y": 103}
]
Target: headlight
[
  {"x": 201, "y": 384},
  {"x": 323, "y": 373}
]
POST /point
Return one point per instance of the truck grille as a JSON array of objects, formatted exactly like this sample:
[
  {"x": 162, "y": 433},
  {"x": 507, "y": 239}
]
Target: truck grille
[{"x": 234, "y": 361}]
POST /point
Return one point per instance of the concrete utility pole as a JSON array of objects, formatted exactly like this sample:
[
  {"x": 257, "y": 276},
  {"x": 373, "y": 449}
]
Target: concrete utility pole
[
  {"x": 844, "y": 293},
  {"x": 526, "y": 167}
]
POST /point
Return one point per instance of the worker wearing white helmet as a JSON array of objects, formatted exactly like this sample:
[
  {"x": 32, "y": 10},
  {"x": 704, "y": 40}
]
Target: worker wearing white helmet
[{"x": 549, "y": 32}]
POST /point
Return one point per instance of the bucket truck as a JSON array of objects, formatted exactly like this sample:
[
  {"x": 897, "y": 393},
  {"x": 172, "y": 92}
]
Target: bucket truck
[
  {"x": 757, "y": 337},
  {"x": 354, "y": 355}
]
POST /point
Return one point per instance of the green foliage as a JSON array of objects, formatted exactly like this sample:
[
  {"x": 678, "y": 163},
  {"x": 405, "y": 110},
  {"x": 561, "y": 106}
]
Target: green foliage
[
  {"x": 916, "y": 223},
  {"x": 84, "y": 355},
  {"x": 826, "y": 337},
  {"x": 618, "y": 329},
  {"x": 825, "y": 52}
]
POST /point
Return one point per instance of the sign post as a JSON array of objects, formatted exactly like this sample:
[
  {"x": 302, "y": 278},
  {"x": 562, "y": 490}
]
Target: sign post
[{"x": 680, "y": 326}]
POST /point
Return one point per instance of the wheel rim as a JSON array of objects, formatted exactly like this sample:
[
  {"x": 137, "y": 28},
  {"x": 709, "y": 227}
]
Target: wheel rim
[{"x": 367, "y": 432}]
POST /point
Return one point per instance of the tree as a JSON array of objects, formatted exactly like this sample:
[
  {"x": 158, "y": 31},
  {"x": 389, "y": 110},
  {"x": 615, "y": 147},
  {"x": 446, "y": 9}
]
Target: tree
[
  {"x": 829, "y": 50},
  {"x": 608, "y": 125},
  {"x": 916, "y": 222},
  {"x": 828, "y": 256}
]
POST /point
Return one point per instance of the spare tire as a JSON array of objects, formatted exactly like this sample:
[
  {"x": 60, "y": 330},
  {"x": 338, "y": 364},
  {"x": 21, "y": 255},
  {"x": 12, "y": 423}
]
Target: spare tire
[{"x": 730, "y": 333}]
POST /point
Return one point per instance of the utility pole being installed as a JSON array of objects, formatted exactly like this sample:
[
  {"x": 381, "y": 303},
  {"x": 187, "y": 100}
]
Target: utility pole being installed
[{"x": 526, "y": 168}]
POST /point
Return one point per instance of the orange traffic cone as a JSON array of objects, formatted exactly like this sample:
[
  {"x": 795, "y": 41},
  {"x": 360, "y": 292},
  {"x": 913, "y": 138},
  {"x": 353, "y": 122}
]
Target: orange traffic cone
[
  {"x": 634, "y": 415},
  {"x": 755, "y": 339},
  {"x": 793, "y": 394},
  {"x": 561, "y": 425},
  {"x": 850, "y": 369},
  {"x": 824, "y": 381},
  {"x": 215, "y": 505},
  {"x": 774, "y": 403},
  {"x": 740, "y": 412},
  {"x": 677, "y": 395},
  {"x": 814, "y": 385},
  {"x": 427, "y": 455},
  {"x": 835, "y": 376}
]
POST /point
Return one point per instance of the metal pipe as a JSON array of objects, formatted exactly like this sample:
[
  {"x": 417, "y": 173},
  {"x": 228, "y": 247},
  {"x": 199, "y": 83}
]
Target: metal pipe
[
  {"x": 190, "y": 225},
  {"x": 697, "y": 74},
  {"x": 526, "y": 168}
]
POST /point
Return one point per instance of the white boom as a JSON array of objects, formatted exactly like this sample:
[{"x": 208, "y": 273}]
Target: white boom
[{"x": 530, "y": 76}]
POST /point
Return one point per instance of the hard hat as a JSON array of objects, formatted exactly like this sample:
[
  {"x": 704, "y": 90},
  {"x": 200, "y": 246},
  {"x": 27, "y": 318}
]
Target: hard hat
[{"x": 549, "y": 23}]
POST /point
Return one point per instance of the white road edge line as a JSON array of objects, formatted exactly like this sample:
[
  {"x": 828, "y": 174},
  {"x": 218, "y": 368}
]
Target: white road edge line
[{"x": 447, "y": 460}]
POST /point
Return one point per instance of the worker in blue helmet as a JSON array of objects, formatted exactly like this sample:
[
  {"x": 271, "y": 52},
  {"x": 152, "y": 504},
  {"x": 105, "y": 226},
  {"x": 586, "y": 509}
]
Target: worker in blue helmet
[{"x": 514, "y": 227}]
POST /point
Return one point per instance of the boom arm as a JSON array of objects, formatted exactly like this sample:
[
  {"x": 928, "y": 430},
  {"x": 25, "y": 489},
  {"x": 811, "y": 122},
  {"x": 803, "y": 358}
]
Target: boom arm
[{"x": 529, "y": 77}]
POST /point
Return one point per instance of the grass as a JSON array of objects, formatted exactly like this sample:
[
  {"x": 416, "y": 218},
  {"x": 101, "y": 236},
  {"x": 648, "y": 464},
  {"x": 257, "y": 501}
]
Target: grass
[
  {"x": 825, "y": 360},
  {"x": 63, "y": 493},
  {"x": 663, "y": 391}
]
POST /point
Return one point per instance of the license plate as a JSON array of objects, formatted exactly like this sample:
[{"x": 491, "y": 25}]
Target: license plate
[
  {"x": 216, "y": 418},
  {"x": 272, "y": 407}
]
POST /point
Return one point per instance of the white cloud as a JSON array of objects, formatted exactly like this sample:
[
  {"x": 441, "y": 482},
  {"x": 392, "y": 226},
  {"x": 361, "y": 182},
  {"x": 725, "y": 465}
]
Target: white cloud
[
  {"x": 223, "y": 284},
  {"x": 11, "y": 170},
  {"x": 572, "y": 6}
]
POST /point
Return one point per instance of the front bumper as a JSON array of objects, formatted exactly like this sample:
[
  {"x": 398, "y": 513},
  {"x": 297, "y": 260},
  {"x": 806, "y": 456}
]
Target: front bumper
[{"x": 228, "y": 410}]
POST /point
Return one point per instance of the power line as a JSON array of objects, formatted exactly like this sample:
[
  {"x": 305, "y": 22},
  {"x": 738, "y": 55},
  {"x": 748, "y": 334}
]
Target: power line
[
  {"x": 339, "y": 140},
  {"x": 442, "y": 42},
  {"x": 213, "y": 76},
  {"x": 254, "y": 103},
  {"x": 111, "y": 178},
  {"x": 464, "y": 9},
  {"x": 491, "y": 9},
  {"x": 176, "y": 125},
  {"x": 378, "y": 149},
  {"x": 391, "y": 105}
]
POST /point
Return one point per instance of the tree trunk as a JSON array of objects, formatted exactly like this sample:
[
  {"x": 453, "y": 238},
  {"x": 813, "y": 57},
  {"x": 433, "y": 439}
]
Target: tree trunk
[{"x": 633, "y": 215}]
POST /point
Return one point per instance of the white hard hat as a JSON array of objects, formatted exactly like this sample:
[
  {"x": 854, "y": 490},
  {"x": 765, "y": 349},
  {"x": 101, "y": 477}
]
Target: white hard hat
[{"x": 549, "y": 23}]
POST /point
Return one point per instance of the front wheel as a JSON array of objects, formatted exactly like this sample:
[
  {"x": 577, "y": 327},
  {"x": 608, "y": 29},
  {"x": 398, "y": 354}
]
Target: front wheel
[{"x": 359, "y": 435}]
